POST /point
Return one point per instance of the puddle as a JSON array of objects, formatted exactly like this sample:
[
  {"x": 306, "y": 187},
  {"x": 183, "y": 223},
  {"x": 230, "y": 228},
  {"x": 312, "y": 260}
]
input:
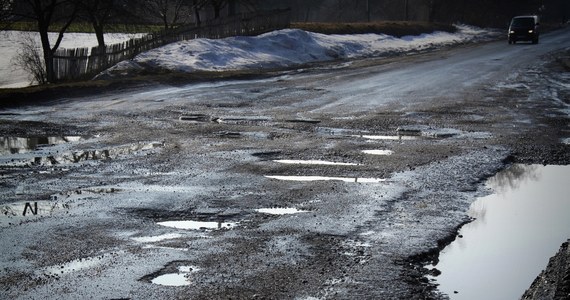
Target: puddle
[
  {"x": 182, "y": 278},
  {"x": 389, "y": 137},
  {"x": 78, "y": 156},
  {"x": 21, "y": 211},
  {"x": 17, "y": 145},
  {"x": 229, "y": 134},
  {"x": 157, "y": 238},
  {"x": 313, "y": 162},
  {"x": 195, "y": 118},
  {"x": 280, "y": 211},
  {"x": 307, "y": 121},
  {"x": 515, "y": 233},
  {"x": 415, "y": 132},
  {"x": 334, "y": 131},
  {"x": 378, "y": 152},
  {"x": 198, "y": 225},
  {"x": 323, "y": 178},
  {"x": 79, "y": 264},
  {"x": 243, "y": 120},
  {"x": 427, "y": 131}
]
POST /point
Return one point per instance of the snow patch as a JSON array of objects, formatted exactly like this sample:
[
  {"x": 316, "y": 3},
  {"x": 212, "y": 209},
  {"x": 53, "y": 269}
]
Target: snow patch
[{"x": 286, "y": 48}]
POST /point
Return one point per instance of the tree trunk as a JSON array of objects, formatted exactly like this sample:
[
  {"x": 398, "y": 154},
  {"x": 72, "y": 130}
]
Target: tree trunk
[
  {"x": 197, "y": 6},
  {"x": 48, "y": 54},
  {"x": 232, "y": 7}
]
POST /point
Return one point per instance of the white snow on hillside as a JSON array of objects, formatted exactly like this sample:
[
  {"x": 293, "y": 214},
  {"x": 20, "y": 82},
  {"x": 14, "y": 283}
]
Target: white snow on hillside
[
  {"x": 286, "y": 48},
  {"x": 278, "y": 49}
]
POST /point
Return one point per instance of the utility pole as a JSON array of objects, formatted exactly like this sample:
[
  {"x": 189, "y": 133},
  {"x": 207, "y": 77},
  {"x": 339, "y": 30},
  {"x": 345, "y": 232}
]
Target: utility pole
[{"x": 405, "y": 10}]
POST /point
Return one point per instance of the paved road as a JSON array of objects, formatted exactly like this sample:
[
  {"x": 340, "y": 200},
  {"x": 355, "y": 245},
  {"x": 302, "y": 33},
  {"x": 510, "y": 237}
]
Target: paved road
[{"x": 127, "y": 161}]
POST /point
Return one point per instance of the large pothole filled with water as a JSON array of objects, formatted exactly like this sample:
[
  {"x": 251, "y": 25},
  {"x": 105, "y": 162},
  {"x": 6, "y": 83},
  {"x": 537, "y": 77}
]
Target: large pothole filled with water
[{"x": 515, "y": 231}]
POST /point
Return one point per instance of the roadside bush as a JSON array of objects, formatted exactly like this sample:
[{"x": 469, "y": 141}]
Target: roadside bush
[{"x": 30, "y": 59}]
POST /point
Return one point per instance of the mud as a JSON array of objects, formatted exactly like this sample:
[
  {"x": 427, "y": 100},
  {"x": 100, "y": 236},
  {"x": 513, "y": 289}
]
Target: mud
[{"x": 207, "y": 154}]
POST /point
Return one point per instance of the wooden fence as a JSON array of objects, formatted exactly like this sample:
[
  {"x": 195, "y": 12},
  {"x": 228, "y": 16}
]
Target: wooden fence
[{"x": 83, "y": 63}]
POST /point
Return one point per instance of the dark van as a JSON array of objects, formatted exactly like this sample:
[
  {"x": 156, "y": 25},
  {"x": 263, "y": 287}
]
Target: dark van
[{"x": 524, "y": 28}]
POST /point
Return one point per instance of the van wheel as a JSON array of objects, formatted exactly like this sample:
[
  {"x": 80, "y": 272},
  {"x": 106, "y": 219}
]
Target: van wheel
[{"x": 535, "y": 41}]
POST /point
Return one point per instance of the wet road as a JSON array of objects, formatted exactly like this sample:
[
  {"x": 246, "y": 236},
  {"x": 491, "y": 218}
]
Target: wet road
[{"x": 178, "y": 181}]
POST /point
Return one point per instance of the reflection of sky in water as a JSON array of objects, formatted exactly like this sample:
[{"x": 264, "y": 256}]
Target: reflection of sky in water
[
  {"x": 517, "y": 230},
  {"x": 279, "y": 211},
  {"x": 182, "y": 278},
  {"x": 324, "y": 178}
]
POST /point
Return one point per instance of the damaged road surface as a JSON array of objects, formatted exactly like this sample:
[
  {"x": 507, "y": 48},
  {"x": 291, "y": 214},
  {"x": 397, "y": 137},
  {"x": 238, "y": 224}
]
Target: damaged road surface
[{"x": 337, "y": 182}]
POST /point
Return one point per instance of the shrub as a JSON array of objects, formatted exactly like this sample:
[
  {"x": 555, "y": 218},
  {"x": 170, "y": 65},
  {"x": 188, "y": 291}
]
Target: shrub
[{"x": 30, "y": 59}]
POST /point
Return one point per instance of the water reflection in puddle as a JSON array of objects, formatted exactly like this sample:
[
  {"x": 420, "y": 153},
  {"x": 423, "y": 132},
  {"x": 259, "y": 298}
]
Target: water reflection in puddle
[
  {"x": 314, "y": 162},
  {"x": 323, "y": 178},
  {"x": 15, "y": 145},
  {"x": 515, "y": 232},
  {"x": 182, "y": 278},
  {"x": 198, "y": 225},
  {"x": 378, "y": 152},
  {"x": 279, "y": 211},
  {"x": 389, "y": 137},
  {"x": 12, "y": 213}
]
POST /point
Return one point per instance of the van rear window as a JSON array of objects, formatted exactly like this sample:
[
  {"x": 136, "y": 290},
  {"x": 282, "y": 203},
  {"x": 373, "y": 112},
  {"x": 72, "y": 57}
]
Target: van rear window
[{"x": 522, "y": 22}]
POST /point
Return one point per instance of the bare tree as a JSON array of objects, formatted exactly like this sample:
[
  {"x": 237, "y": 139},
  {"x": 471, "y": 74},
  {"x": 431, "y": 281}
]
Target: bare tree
[
  {"x": 99, "y": 13},
  {"x": 29, "y": 58},
  {"x": 197, "y": 6},
  {"x": 217, "y": 6},
  {"x": 47, "y": 14},
  {"x": 169, "y": 12},
  {"x": 5, "y": 10}
]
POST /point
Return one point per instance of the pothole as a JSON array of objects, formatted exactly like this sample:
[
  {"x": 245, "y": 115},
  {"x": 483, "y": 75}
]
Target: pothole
[
  {"x": 195, "y": 118},
  {"x": 229, "y": 134},
  {"x": 157, "y": 238},
  {"x": 313, "y": 162},
  {"x": 181, "y": 278},
  {"x": 280, "y": 211},
  {"x": 17, "y": 145},
  {"x": 335, "y": 131},
  {"x": 306, "y": 121},
  {"x": 389, "y": 137},
  {"x": 415, "y": 132},
  {"x": 74, "y": 157},
  {"x": 78, "y": 264},
  {"x": 268, "y": 155},
  {"x": 378, "y": 152},
  {"x": 428, "y": 131},
  {"x": 514, "y": 232},
  {"x": 198, "y": 225},
  {"x": 324, "y": 178},
  {"x": 23, "y": 211},
  {"x": 242, "y": 120}
]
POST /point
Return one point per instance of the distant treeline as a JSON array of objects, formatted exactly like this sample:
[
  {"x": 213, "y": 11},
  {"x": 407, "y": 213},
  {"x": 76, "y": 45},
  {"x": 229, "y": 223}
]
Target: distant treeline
[{"x": 486, "y": 13}]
